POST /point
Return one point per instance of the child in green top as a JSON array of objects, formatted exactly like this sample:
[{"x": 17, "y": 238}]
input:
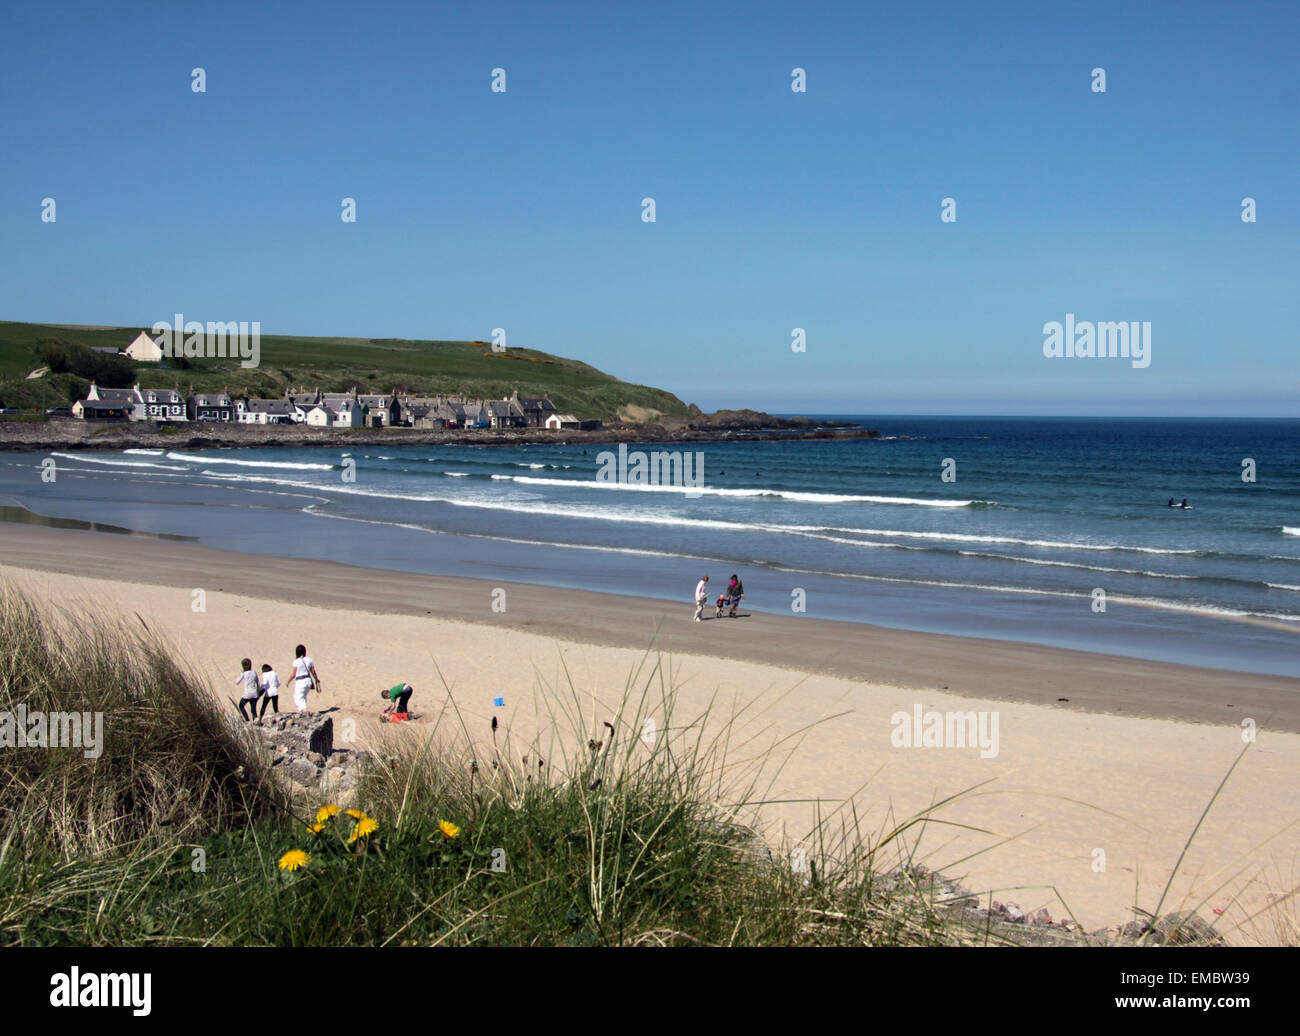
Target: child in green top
[{"x": 397, "y": 695}]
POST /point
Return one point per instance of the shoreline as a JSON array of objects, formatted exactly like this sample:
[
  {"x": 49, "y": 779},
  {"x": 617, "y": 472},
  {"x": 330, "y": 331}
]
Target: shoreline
[
  {"x": 983, "y": 669},
  {"x": 73, "y": 434}
]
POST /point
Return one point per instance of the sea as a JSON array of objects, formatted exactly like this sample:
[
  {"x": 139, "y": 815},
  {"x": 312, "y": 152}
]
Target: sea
[{"x": 1041, "y": 530}]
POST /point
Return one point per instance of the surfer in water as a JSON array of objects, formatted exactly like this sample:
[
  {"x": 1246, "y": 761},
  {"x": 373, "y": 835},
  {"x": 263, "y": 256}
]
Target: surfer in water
[
  {"x": 1185, "y": 505},
  {"x": 1171, "y": 502}
]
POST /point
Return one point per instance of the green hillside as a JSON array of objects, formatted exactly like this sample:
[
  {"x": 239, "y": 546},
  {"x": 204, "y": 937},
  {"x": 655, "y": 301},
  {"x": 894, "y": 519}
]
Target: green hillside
[{"x": 423, "y": 368}]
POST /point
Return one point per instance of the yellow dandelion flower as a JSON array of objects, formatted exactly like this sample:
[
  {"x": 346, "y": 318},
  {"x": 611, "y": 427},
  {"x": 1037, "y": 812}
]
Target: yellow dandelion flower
[
  {"x": 294, "y": 859},
  {"x": 449, "y": 830},
  {"x": 356, "y": 814},
  {"x": 316, "y": 828},
  {"x": 364, "y": 826},
  {"x": 325, "y": 813}
]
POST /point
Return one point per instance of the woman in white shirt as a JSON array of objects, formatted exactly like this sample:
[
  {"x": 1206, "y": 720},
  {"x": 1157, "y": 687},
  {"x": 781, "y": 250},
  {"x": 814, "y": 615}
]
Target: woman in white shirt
[{"x": 305, "y": 677}]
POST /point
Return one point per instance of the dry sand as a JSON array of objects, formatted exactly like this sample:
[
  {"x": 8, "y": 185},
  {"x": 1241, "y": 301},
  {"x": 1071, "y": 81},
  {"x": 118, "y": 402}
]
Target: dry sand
[{"x": 1121, "y": 770}]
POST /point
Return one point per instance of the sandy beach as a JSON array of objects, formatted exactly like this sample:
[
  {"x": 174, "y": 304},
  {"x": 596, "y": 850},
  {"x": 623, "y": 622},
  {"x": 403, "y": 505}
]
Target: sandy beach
[{"x": 1089, "y": 800}]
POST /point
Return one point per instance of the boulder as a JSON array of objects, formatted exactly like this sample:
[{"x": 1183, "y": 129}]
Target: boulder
[
  {"x": 321, "y": 738},
  {"x": 303, "y": 772}
]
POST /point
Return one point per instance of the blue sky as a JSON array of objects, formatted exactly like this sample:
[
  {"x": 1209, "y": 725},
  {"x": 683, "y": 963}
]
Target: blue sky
[{"x": 775, "y": 210}]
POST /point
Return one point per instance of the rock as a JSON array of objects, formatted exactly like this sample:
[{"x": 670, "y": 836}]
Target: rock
[
  {"x": 1042, "y": 917},
  {"x": 315, "y": 758},
  {"x": 321, "y": 738},
  {"x": 1185, "y": 928},
  {"x": 997, "y": 908},
  {"x": 347, "y": 782},
  {"x": 1135, "y": 929},
  {"x": 1014, "y": 913},
  {"x": 303, "y": 772}
]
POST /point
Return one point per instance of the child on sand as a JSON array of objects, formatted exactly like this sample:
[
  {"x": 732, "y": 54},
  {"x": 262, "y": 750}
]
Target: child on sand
[
  {"x": 248, "y": 699},
  {"x": 271, "y": 688},
  {"x": 397, "y": 695}
]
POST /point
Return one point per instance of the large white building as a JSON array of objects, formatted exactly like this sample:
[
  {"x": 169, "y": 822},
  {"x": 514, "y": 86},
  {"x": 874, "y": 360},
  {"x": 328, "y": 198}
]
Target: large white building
[{"x": 143, "y": 349}]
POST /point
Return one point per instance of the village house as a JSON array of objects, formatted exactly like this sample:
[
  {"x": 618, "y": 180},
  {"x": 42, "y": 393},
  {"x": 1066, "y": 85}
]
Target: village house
[
  {"x": 212, "y": 406},
  {"x": 563, "y": 421},
  {"x": 344, "y": 413},
  {"x": 264, "y": 411},
  {"x": 300, "y": 404},
  {"x": 504, "y": 413},
  {"x": 535, "y": 409},
  {"x": 101, "y": 410},
  {"x": 160, "y": 404},
  {"x": 425, "y": 412},
  {"x": 126, "y": 398},
  {"x": 381, "y": 411}
]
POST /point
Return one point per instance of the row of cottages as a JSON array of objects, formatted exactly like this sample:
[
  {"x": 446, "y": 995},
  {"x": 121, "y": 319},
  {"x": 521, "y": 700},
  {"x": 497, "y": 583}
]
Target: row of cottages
[
  {"x": 324, "y": 409},
  {"x": 515, "y": 412},
  {"x": 360, "y": 410},
  {"x": 156, "y": 404},
  {"x": 345, "y": 409},
  {"x": 441, "y": 412}
]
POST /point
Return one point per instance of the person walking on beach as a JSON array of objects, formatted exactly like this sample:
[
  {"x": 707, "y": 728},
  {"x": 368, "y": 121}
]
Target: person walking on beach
[
  {"x": 735, "y": 590},
  {"x": 397, "y": 697},
  {"x": 248, "y": 699},
  {"x": 271, "y": 690},
  {"x": 701, "y": 597},
  {"x": 305, "y": 677}
]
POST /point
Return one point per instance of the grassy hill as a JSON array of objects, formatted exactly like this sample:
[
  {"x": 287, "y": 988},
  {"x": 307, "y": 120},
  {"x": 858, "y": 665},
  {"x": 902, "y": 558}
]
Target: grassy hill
[{"x": 468, "y": 369}]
